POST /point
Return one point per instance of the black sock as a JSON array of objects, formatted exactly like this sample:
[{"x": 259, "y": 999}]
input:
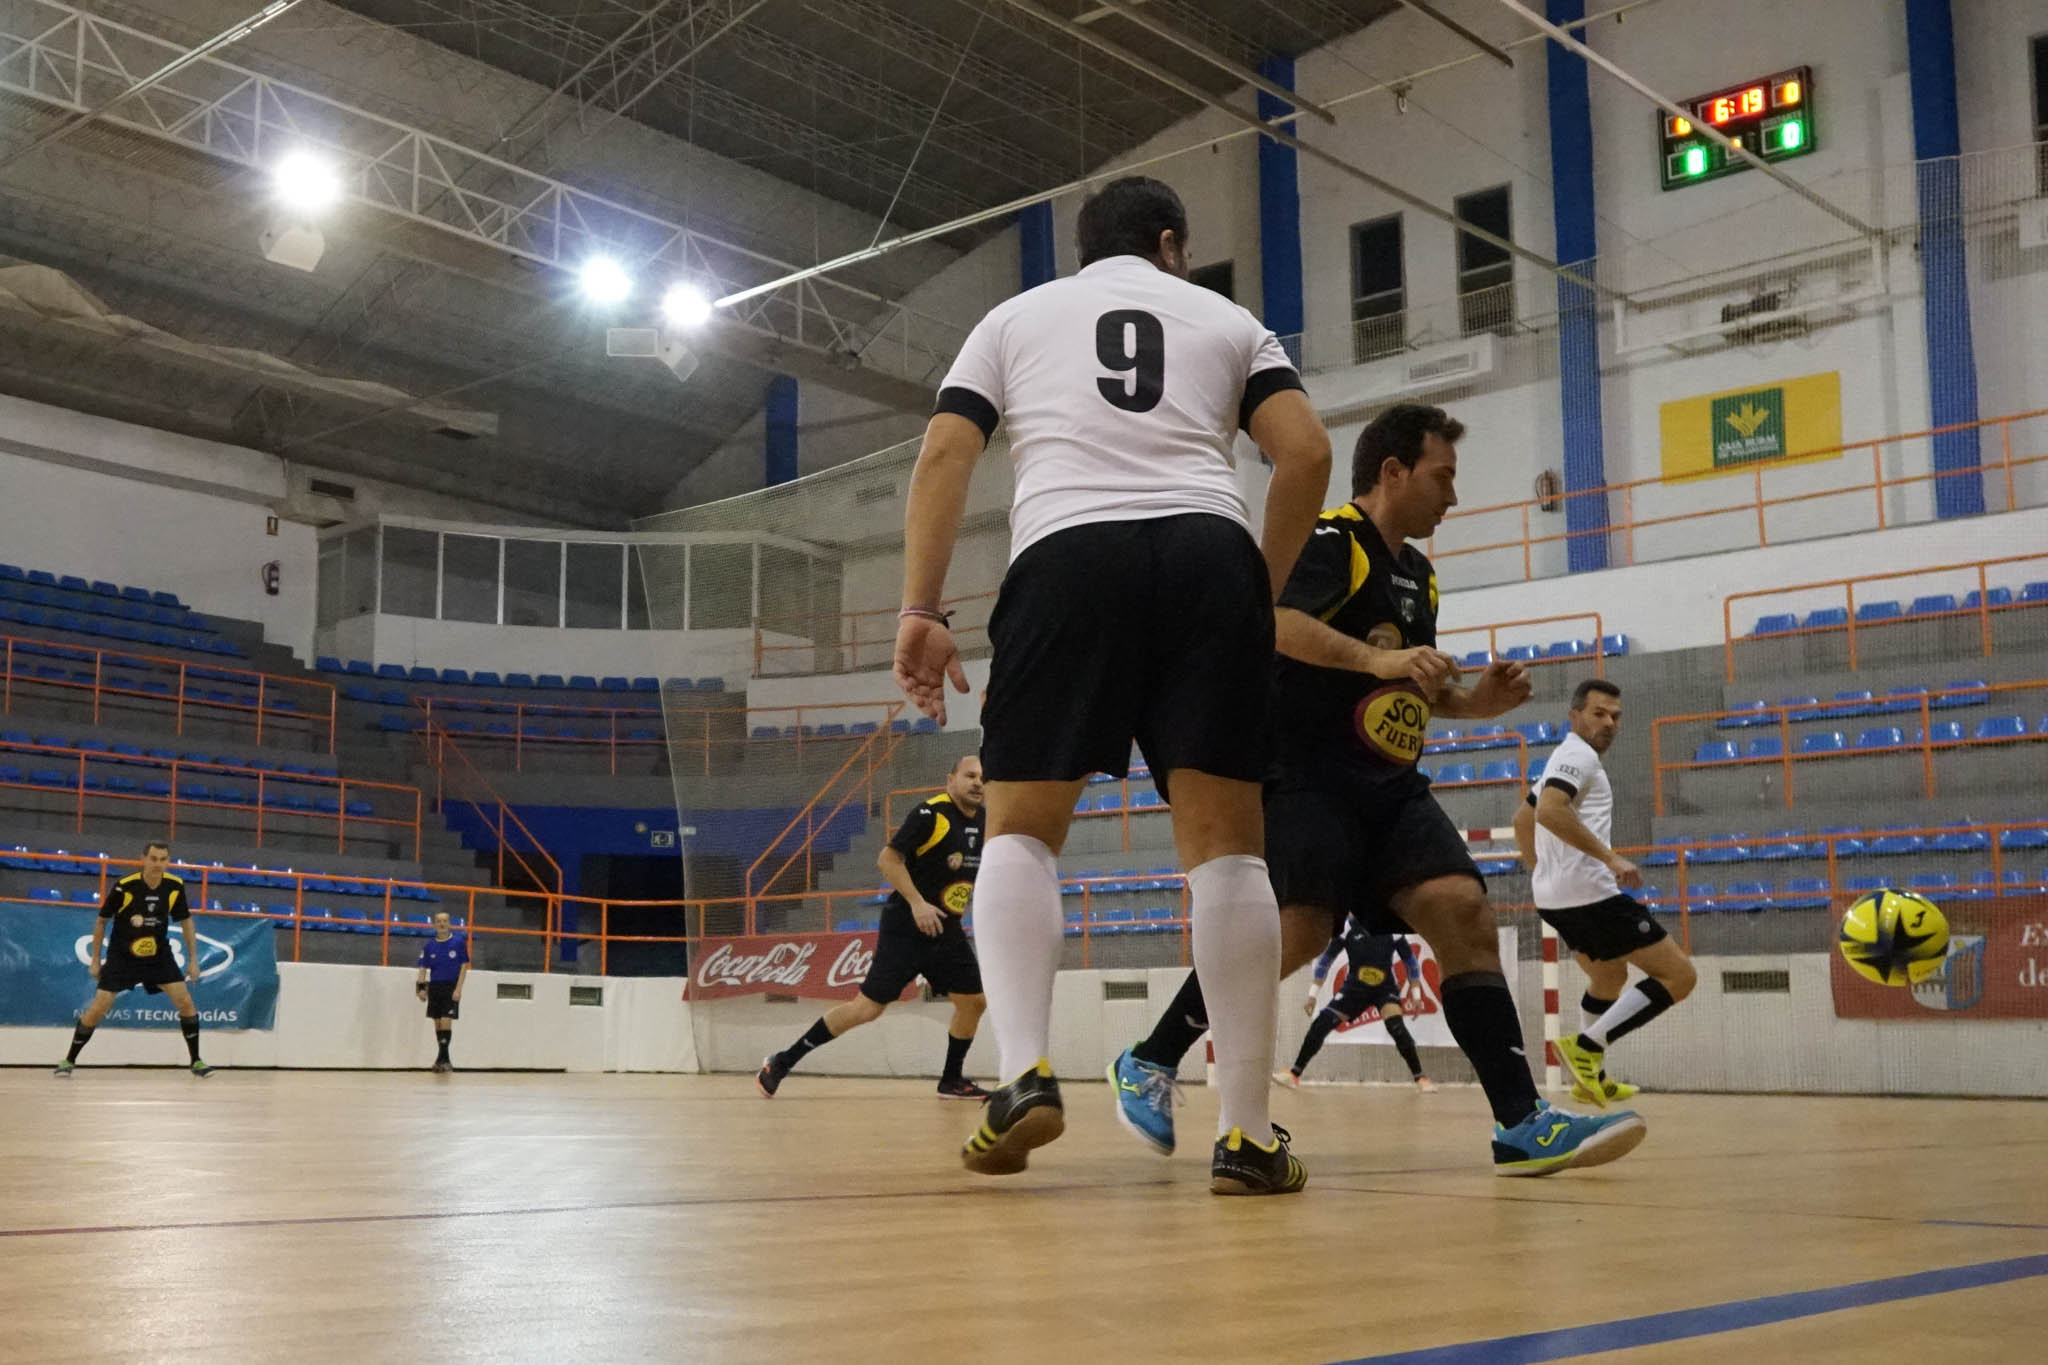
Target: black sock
[
  {"x": 817, "y": 1035},
  {"x": 1660, "y": 1000},
  {"x": 80, "y": 1036},
  {"x": 956, "y": 1054},
  {"x": 441, "y": 1037},
  {"x": 1325, "y": 1022},
  {"x": 1185, "y": 1021},
  {"x": 190, "y": 1024},
  {"x": 1482, "y": 1017},
  {"x": 1397, "y": 1029},
  {"x": 1592, "y": 1006}
]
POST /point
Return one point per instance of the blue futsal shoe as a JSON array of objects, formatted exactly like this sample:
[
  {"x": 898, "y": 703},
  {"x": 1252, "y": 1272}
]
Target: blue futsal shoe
[
  {"x": 1145, "y": 1096},
  {"x": 1555, "y": 1140}
]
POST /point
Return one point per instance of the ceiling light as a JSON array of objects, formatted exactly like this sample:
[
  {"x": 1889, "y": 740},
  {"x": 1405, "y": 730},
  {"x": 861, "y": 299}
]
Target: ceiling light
[
  {"x": 604, "y": 281},
  {"x": 306, "y": 182},
  {"x": 685, "y": 305}
]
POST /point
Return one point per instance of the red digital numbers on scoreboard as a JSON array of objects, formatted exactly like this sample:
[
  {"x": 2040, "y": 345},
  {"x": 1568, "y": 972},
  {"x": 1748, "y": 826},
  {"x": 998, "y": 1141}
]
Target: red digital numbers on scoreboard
[{"x": 1768, "y": 119}]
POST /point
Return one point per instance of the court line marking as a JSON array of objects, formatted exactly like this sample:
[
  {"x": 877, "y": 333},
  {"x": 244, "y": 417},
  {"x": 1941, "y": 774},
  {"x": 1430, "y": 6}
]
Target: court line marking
[{"x": 1622, "y": 1334}]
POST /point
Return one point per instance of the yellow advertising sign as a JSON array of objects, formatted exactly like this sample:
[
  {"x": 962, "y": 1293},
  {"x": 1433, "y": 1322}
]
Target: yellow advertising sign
[{"x": 1737, "y": 429}]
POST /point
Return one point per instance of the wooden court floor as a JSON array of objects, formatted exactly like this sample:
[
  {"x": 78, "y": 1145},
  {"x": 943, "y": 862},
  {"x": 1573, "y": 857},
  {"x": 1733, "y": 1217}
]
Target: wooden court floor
[{"x": 306, "y": 1216}]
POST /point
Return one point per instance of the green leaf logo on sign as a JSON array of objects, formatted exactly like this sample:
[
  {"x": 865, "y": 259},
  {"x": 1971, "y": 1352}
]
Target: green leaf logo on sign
[{"x": 1749, "y": 427}]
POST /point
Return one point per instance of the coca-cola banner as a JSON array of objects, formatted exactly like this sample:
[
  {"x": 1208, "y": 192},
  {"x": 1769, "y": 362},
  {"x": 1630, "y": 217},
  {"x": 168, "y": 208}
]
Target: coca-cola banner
[
  {"x": 1996, "y": 968},
  {"x": 820, "y": 966}
]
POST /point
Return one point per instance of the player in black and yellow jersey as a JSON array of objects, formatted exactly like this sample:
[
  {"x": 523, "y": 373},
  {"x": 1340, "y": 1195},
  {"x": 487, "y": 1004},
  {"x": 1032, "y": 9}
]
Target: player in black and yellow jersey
[
  {"x": 134, "y": 927},
  {"x": 930, "y": 863},
  {"x": 1351, "y": 827}
]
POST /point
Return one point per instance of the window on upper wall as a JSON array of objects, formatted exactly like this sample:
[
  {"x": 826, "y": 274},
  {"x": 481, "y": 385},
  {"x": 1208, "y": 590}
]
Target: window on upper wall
[
  {"x": 2041, "y": 112},
  {"x": 1379, "y": 291},
  {"x": 1486, "y": 273},
  {"x": 1220, "y": 276}
]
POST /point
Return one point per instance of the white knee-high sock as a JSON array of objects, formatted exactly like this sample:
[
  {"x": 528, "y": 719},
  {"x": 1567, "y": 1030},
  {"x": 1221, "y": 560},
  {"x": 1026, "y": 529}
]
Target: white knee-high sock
[
  {"x": 1017, "y": 937},
  {"x": 1237, "y": 958}
]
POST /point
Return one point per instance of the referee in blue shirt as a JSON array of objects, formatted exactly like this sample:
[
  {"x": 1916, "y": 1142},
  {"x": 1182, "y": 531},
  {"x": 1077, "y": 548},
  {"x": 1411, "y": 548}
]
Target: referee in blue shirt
[{"x": 444, "y": 966}]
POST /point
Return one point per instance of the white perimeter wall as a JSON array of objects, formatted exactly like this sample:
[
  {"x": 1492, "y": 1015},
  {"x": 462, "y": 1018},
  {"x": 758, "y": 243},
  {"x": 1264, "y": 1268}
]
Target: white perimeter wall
[{"x": 368, "y": 1018}]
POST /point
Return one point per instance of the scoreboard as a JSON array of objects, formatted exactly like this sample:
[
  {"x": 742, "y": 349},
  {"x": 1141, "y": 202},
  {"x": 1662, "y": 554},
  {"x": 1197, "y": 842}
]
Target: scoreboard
[{"x": 1771, "y": 117}]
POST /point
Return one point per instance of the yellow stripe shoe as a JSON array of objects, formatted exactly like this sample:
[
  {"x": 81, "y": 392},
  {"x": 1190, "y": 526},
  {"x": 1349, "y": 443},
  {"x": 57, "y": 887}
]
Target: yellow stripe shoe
[
  {"x": 1241, "y": 1166},
  {"x": 1588, "y": 1067},
  {"x": 1024, "y": 1114},
  {"x": 1615, "y": 1091}
]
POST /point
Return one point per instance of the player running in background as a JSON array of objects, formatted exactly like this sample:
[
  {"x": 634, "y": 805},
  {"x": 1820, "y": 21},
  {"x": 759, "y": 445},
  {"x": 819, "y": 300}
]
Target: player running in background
[
  {"x": 1136, "y": 607},
  {"x": 134, "y": 928},
  {"x": 1369, "y": 984},
  {"x": 931, "y": 863},
  {"x": 1352, "y": 828},
  {"x": 1581, "y": 887}
]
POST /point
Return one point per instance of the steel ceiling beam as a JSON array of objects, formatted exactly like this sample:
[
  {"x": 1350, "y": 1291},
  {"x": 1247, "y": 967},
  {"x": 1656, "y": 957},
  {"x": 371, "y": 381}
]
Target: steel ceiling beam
[
  {"x": 1166, "y": 33},
  {"x": 1429, "y": 11},
  {"x": 67, "y": 59}
]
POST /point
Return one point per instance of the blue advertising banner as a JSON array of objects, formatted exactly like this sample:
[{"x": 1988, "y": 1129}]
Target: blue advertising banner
[{"x": 43, "y": 956}]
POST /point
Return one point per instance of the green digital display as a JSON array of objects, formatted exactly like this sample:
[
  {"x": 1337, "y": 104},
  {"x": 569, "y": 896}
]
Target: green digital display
[{"x": 1772, "y": 117}]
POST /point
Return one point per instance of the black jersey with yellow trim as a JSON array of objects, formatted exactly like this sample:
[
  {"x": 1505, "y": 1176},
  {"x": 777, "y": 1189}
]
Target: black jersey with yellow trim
[
  {"x": 140, "y": 916},
  {"x": 941, "y": 843},
  {"x": 1348, "y": 579}
]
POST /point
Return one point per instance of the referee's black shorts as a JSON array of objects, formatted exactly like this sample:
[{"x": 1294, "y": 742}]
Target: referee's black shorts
[
  {"x": 1158, "y": 631},
  {"x": 441, "y": 1001}
]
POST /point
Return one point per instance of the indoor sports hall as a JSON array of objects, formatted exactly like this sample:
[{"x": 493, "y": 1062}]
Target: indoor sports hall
[{"x": 455, "y": 459}]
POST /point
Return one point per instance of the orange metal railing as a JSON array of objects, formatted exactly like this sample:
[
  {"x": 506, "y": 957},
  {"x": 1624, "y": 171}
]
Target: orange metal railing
[
  {"x": 267, "y": 782},
  {"x": 1999, "y": 474},
  {"x": 857, "y": 773},
  {"x": 458, "y": 779},
  {"x": 1924, "y": 705},
  {"x": 16, "y": 673},
  {"x": 1987, "y": 574},
  {"x": 622, "y": 724},
  {"x": 858, "y": 639},
  {"x": 1596, "y": 648}
]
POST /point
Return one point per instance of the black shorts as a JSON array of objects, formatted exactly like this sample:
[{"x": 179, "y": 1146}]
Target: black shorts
[
  {"x": 1359, "y": 995},
  {"x": 1606, "y": 930},
  {"x": 121, "y": 972},
  {"x": 441, "y": 1001},
  {"x": 945, "y": 960},
  {"x": 1349, "y": 847},
  {"x": 1157, "y": 631}
]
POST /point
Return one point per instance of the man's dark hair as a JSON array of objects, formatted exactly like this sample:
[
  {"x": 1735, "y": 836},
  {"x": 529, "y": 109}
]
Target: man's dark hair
[
  {"x": 1589, "y": 687},
  {"x": 958, "y": 761},
  {"x": 1125, "y": 218},
  {"x": 1398, "y": 433},
  {"x": 154, "y": 844}
]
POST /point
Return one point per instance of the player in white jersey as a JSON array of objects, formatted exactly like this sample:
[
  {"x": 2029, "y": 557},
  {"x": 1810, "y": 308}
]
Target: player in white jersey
[
  {"x": 1136, "y": 607},
  {"x": 1581, "y": 885}
]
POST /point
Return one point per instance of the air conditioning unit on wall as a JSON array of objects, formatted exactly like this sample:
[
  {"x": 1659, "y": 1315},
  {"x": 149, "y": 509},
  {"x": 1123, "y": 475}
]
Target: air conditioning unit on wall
[
  {"x": 1411, "y": 374},
  {"x": 2033, "y": 225}
]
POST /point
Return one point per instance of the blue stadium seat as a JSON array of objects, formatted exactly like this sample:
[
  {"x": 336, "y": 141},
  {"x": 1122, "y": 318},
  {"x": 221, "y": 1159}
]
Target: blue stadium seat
[
  {"x": 1490, "y": 737},
  {"x": 1768, "y": 746},
  {"x": 73, "y": 583},
  {"x": 1997, "y": 597},
  {"x": 1791, "y": 848},
  {"x": 1878, "y": 611},
  {"x": 1963, "y": 692},
  {"x": 1535, "y": 769},
  {"x": 484, "y": 677},
  {"x": 1452, "y": 773},
  {"x": 1478, "y": 658},
  {"x": 2032, "y": 592},
  {"x": 1944, "y": 732},
  {"x": 1715, "y": 751},
  {"x": 861, "y": 727},
  {"x": 1147, "y": 801},
  {"x": 1802, "y": 708},
  {"x": 899, "y": 726},
  {"x": 1113, "y": 801},
  {"x": 1826, "y": 742},
  {"x": 524, "y": 680},
  {"x": 1568, "y": 649},
  {"x": 1933, "y": 604},
  {"x": 2000, "y": 727},
  {"x": 924, "y": 725},
  {"x": 1538, "y": 732},
  {"x": 1746, "y": 896},
  {"x": 1698, "y": 896},
  {"x": 1857, "y": 886},
  {"x": 550, "y": 681},
  {"x": 2015, "y": 839},
  {"x": 1725, "y": 851},
  {"x": 615, "y": 684},
  {"x": 1748, "y": 713},
  {"x": 647, "y": 684},
  {"x": 834, "y": 731},
  {"x": 1897, "y": 845},
  {"x": 421, "y": 673},
  {"x": 765, "y": 732},
  {"x": 1778, "y": 623},
  {"x": 1522, "y": 653},
  {"x": 1507, "y": 771},
  {"x": 1931, "y": 881},
  {"x": 1859, "y": 702},
  {"x": 12, "y": 573},
  {"x": 49, "y": 580},
  {"x": 1961, "y": 841},
  {"x": 1614, "y": 646},
  {"x": 1804, "y": 893},
  {"x": 1826, "y": 618},
  {"x": 457, "y": 676},
  {"x": 1880, "y": 737},
  {"x": 1902, "y": 700}
]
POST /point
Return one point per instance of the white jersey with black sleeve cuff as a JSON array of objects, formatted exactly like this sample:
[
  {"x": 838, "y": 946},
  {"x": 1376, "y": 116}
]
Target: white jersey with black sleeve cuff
[
  {"x": 1566, "y": 878},
  {"x": 1123, "y": 387}
]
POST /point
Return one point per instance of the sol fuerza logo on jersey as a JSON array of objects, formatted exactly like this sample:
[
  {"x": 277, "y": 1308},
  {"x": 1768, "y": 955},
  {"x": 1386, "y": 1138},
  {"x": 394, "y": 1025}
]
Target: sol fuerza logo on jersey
[{"x": 1393, "y": 721}]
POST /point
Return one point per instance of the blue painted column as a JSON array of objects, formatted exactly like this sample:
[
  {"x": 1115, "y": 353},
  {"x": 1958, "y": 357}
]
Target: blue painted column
[
  {"x": 1945, "y": 291},
  {"x": 1279, "y": 218},
  {"x": 1036, "y": 259},
  {"x": 1578, "y": 308},
  {"x": 779, "y": 436}
]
